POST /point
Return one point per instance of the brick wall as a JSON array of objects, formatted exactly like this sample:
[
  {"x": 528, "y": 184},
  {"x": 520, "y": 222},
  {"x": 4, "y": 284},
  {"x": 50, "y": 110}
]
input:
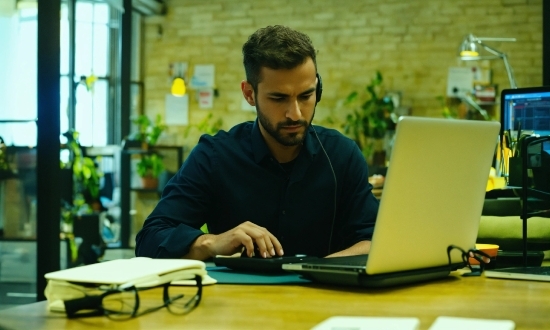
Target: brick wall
[{"x": 413, "y": 43}]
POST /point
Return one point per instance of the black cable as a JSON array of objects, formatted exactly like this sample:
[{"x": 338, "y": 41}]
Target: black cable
[{"x": 335, "y": 188}]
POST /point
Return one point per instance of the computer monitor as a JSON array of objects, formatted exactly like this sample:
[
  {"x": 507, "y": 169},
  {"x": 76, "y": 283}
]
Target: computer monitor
[{"x": 527, "y": 109}]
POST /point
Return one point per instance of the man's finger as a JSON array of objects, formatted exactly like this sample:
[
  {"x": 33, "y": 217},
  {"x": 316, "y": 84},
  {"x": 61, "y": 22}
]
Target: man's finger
[
  {"x": 248, "y": 244},
  {"x": 266, "y": 243},
  {"x": 261, "y": 245},
  {"x": 277, "y": 247}
]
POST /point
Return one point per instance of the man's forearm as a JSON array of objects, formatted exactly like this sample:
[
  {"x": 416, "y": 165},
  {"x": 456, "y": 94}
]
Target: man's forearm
[
  {"x": 362, "y": 247},
  {"x": 199, "y": 250}
]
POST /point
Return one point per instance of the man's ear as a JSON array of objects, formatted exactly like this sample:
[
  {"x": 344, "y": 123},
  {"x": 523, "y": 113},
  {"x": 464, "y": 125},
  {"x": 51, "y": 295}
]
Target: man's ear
[{"x": 248, "y": 92}]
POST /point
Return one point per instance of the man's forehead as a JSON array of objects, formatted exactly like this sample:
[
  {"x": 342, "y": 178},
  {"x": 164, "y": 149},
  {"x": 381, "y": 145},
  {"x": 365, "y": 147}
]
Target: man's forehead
[{"x": 302, "y": 78}]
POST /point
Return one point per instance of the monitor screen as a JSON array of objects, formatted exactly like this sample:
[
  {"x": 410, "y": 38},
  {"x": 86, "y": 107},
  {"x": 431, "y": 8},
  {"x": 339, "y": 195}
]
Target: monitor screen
[{"x": 526, "y": 109}]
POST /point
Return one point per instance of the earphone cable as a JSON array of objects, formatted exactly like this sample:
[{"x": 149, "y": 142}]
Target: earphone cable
[{"x": 335, "y": 189}]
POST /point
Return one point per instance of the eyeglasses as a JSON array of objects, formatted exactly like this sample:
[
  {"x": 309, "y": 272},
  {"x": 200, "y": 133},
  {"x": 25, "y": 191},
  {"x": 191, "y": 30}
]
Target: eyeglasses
[
  {"x": 124, "y": 303},
  {"x": 478, "y": 255}
]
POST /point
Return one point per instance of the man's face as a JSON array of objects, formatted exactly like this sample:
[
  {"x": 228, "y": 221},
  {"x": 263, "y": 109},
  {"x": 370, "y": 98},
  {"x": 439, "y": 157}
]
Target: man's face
[{"x": 285, "y": 103}]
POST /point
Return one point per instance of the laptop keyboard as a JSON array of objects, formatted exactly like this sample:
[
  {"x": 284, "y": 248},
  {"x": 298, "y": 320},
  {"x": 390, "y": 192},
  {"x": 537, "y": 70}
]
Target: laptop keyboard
[
  {"x": 356, "y": 261},
  {"x": 260, "y": 265}
]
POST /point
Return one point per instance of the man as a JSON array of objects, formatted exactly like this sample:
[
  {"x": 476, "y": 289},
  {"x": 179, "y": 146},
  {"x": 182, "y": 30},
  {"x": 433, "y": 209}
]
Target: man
[{"x": 274, "y": 186}]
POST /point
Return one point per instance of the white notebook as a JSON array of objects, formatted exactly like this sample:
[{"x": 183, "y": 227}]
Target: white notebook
[{"x": 140, "y": 272}]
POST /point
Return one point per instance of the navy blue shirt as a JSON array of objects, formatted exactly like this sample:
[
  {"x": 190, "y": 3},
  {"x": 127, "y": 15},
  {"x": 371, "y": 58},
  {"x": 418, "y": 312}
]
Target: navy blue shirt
[{"x": 232, "y": 177}]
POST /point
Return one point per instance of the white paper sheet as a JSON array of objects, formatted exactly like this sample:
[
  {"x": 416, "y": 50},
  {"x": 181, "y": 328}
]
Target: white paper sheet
[
  {"x": 203, "y": 76},
  {"x": 177, "y": 109}
]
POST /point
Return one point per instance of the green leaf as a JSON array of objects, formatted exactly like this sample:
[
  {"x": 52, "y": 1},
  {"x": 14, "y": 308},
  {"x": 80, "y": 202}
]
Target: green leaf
[
  {"x": 86, "y": 172},
  {"x": 205, "y": 126},
  {"x": 351, "y": 97},
  {"x": 378, "y": 80}
]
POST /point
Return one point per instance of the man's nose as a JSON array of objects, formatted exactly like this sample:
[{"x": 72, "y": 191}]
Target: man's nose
[{"x": 293, "y": 111}]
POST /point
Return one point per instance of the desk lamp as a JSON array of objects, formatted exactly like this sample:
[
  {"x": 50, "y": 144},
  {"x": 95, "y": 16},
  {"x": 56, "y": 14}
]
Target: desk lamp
[{"x": 469, "y": 52}]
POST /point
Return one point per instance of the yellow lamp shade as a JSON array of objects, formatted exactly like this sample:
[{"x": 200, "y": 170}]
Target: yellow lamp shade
[
  {"x": 469, "y": 53},
  {"x": 178, "y": 87},
  {"x": 468, "y": 47}
]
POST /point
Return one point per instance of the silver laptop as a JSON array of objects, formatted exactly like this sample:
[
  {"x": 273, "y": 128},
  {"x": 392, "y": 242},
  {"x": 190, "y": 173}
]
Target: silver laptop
[{"x": 432, "y": 198}]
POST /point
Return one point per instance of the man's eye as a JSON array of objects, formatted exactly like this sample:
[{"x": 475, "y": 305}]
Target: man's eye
[
  {"x": 277, "y": 99},
  {"x": 305, "y": 97}
]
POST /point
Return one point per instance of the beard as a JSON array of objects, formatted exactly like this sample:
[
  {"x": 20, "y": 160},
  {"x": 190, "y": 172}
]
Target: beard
[{"x": 275, "y": 130}]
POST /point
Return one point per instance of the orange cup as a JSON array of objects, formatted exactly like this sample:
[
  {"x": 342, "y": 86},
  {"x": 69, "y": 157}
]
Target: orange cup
[{"x": 490, "y": 249}]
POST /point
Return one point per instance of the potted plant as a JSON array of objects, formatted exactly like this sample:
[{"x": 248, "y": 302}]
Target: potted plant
[
  {"x": 148, "y": 131},
  {"x": 150, "y": 165},
  {"x": 370, "y": 119},
  {"x": 206, "y": 126},
  {"x": 85, "y": 205},
  {"x": 86, "y": 175},
  {"x": 149, "y": 168}
]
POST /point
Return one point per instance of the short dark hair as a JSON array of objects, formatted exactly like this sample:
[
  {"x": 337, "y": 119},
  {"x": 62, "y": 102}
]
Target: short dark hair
[{"x": 275, "y": 47}]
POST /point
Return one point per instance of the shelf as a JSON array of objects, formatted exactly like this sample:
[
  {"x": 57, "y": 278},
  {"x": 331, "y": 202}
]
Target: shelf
[
  {"x": 6, "y": 121},
  {"x": 106, "y": 151},
  {"x": 528, "y": 194},
  {"x": 17, "y": 239},
  {"x": 538, "y": 193},
  {"x": 126, "y": 189}
]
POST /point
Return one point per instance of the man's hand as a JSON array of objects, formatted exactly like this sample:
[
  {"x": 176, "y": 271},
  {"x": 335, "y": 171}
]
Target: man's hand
[{"x": 246, "y": 234}]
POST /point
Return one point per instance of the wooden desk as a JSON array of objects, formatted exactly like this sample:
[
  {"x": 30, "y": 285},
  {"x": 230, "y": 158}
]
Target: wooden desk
[{"x": 301, "y": 307}]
